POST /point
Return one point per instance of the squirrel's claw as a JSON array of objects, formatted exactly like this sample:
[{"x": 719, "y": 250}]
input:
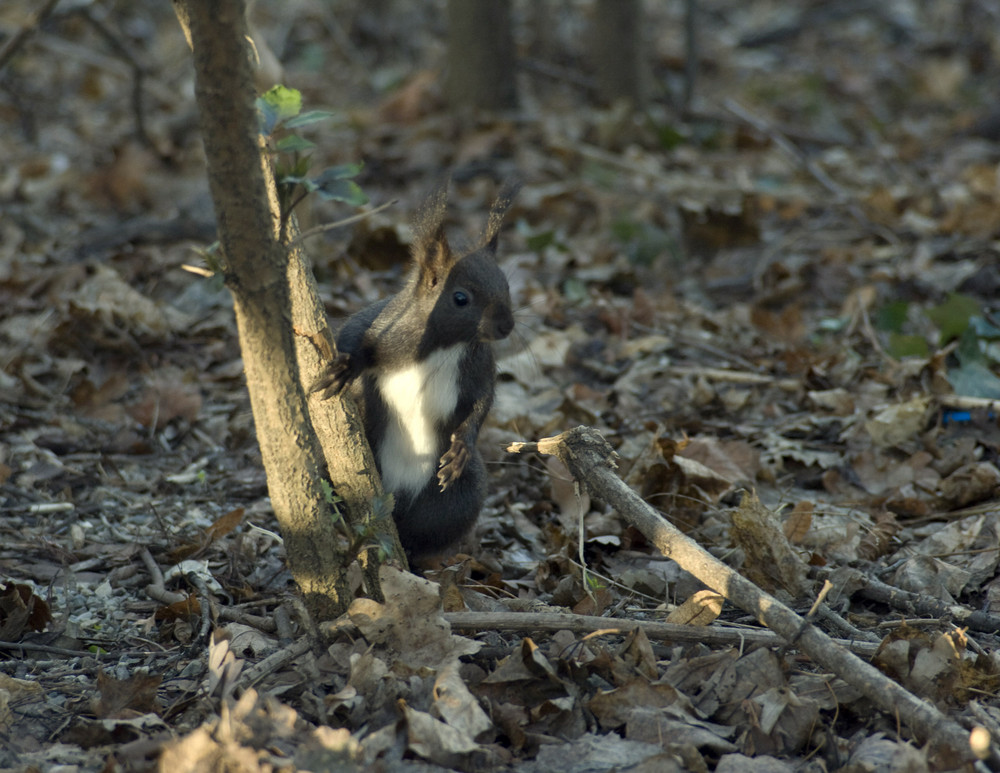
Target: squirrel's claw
[
  {"x": 334, "y": 377},
  {"x": 453, "y": 462}
]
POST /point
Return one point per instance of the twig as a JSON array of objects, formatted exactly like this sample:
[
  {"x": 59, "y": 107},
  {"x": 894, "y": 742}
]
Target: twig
[
  {"x": 963, "y": 402},
  {"x": 14, "y": 646},
  {"x": 209, "y": 612},
  {"x": 712, "y": 635},
  {"x": 157, "y": 589},
  {"x": 734, "y": 376},
  {"x": 22, "y": 35},
  {"x": 274, "y": 661},
  {"x": 319, "y": 229},
  {"x": 591, "y": 460},
  {"x": 838, "y": 622},
  {"x": 265, "y": 624}
]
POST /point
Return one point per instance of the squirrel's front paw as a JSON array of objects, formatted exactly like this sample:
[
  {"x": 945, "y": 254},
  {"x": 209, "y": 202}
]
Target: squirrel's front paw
[
  {"x": 334, "y": 377},
  {"x": 453, "y": 462}
]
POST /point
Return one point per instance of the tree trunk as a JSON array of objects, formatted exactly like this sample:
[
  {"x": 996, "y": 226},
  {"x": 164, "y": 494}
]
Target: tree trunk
[
  {"x": 481, "y": 70},
  {"x": 618, "y": 51},
  {"x": 258, "y": 271}
]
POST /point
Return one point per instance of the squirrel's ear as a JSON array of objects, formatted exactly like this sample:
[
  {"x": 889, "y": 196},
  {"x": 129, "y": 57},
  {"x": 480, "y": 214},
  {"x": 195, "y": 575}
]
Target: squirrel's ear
[
  {"x": 434, "y": 258},
  {"x": 430, "y": 246},
  {"x": 503, "y": 201},
  {"x": 428, "y": 221}
]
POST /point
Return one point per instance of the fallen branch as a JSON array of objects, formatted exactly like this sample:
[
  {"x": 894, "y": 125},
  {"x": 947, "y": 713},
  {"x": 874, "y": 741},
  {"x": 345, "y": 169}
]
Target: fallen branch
[
  {"x": 660, "y": 632},
  {"x": 916, "y": 604},
  {"x": 734, "y": 376},
  {"x": 592, "y": 462}
]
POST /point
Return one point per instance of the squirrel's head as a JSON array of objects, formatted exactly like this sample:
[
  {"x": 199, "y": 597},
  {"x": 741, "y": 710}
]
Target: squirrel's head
[{"x": 465, "y": 297}]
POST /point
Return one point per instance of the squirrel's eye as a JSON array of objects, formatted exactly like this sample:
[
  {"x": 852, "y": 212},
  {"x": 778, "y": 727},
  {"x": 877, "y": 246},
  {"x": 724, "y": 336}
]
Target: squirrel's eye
[{"x": 460, "y": 298}]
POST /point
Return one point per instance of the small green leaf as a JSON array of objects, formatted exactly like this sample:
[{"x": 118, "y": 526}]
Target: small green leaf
[
  {"x": 968, "y": 350},
  {"x": 278, "y": 104},
  {"x": 539, "y": 241},
  {"x": 312, "y": 116},
  {"x": 382, "y": 506},
  {"x": 669, "y": 137},
  {"x": 340, "y": 172},
  {"x": 290, "y": 181},
  {"x": 901, "y": 345},
  {"x": 299, "y": 167},
  {"x": 595, "y": 583},
  {"x": 952, "y": 317},
  {"x": 293, "y": 143},
  {"x": 347, "y": 191},
  {"x": 892, "y": 316}
]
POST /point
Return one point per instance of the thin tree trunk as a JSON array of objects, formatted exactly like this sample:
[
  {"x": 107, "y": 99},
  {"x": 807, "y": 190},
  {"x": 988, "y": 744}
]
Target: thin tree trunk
[
  {"x": 257, "y": 274},
  {"x": 618, "y": 51},
  {"x": 481, "y": 70}
]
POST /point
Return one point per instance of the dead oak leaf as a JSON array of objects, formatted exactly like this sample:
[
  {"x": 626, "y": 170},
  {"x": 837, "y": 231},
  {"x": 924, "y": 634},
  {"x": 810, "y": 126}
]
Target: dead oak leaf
[
  {"x": 20, "y": 610},
  {"x": 770, "y": 561},
  {"x": 126, "y": 698}
]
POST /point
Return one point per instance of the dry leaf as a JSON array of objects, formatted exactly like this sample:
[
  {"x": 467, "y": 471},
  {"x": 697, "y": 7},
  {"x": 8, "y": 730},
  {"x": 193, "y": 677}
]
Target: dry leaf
[
  {"x": 410, "y": 621},
  {"x": 701, "y": 609},
  {"x": 797, "y": 524},
  {"x": 456, "y": 705},
  {"x": 126, "y": 698},
  {"x": 770, "y": 561},
  {"x": 899, "y": 423},
  {"x": 20, "y": 610}
]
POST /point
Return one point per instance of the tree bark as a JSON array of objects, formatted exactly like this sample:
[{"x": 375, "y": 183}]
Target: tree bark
[
  {"x": 481, "y": 69},
  {"x": 258, "y": 271},
  {"x": 617, "y": 48}
]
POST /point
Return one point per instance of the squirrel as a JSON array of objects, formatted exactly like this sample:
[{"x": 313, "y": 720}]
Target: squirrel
[{"x": 421, "y": 367}]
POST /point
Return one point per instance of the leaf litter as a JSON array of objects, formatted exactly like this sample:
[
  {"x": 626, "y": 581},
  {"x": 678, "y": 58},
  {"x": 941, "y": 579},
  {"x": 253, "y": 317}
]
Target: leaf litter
[{"x": 779, "y": 311}]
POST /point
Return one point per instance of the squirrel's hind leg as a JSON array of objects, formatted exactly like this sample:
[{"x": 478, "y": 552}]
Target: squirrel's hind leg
[{"x": 435, "y": 519}]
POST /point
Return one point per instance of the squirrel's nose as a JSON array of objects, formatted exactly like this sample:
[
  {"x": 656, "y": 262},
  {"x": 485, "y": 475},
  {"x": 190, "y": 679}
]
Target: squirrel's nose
[
  {"x": 496, "y": 324},
  {"x": 505, "y": 324}
]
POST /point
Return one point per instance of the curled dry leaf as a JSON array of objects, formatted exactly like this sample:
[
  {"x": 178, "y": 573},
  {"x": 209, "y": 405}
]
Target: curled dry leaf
[
  {"x": 454, "y": 704},
  {"x": 701, "y": 609},
  {"x": 434, "y": 740},
  {"x": 21, "y": 610}
]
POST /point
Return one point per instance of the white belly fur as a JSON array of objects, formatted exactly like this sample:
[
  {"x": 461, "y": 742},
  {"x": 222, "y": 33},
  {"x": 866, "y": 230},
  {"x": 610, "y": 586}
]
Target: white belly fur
[{"x": 418, "y": 398}]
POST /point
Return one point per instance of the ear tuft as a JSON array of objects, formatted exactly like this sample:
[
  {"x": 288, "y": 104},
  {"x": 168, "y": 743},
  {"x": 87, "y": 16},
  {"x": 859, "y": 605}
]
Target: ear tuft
[
  {"x": 428, "y": 222},
  {"x": 431, "y": 252},
  {"x": 500, "y": 206}
]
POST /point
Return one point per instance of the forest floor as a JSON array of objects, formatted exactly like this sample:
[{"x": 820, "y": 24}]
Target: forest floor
[{"x": 788, "y": 291}]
